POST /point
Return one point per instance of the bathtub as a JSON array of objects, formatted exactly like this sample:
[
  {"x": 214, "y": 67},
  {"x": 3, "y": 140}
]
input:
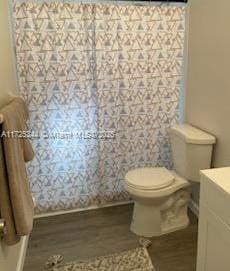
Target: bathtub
[{"x": 12, "y": 257}]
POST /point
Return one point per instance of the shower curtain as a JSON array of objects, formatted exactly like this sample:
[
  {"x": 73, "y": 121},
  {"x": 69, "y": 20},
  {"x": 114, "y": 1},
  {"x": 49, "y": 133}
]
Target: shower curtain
[{"x": 102, "y": 83}]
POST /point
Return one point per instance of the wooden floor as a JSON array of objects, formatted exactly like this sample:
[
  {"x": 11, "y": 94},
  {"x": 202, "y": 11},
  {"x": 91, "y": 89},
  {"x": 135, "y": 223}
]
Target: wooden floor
[{"x": 105, "y": 231}]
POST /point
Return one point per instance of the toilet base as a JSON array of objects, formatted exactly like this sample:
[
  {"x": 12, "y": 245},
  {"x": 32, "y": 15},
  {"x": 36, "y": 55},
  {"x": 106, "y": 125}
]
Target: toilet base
[{"x": 162, "y": 215}]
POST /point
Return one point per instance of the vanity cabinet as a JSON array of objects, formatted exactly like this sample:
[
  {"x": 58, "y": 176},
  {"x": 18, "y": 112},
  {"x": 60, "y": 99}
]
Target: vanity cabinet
[{"x": 214, "y": 221}]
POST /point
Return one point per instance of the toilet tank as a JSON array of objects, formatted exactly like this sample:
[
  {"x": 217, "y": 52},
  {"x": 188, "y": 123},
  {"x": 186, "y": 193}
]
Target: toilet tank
[{"x": 191, "y": 150}]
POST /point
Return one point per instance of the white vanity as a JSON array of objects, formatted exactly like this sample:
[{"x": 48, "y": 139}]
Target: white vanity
[{"x": 214, "y": 221}]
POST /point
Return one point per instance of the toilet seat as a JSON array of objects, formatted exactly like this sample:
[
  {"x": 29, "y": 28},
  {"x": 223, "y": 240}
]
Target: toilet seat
[{"x": 149, "y": 178}]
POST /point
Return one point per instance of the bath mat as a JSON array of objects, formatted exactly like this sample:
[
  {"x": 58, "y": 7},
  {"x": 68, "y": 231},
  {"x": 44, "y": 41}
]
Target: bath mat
[{"x": 132, "y": 260}]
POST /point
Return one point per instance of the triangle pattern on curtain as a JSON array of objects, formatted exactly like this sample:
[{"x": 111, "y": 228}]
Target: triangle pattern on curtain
[{"x": 89, "y": 71}]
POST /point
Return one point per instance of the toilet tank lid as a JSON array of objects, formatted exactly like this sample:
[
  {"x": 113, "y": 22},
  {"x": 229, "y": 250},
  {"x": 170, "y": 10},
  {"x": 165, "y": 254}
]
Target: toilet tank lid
[{"x": 192, "y": 135}]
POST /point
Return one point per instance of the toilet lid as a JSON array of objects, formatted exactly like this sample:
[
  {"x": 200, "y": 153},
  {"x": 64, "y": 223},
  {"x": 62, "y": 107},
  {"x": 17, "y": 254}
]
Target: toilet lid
[{"x": 149, "y": 178}]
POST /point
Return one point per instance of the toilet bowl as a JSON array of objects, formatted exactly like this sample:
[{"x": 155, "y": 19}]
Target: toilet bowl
[
  {"x": 161, "y": 196},
  {"x": 160, "y": 201}
]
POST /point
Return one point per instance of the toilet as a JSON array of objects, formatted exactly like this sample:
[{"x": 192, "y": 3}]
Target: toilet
[{"x": 161, "y": 196}]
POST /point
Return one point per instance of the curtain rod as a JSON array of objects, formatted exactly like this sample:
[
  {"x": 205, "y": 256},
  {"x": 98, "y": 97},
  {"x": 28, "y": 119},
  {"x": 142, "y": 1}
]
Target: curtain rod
[
  {"x": 165, "y": 1},
  {"x": 134, "y": 2},
  {"x": 127, "y": 1}
]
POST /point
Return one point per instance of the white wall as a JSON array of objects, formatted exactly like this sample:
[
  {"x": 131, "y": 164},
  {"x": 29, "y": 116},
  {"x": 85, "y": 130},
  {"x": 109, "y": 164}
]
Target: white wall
[
  {"x": 208, "y": 77},
  {"x": 11, "y": 258},
  {"x": 7, "y": 72}
]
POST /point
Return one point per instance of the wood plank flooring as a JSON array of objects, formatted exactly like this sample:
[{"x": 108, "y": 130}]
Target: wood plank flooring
[{"x": 100, "y": 232}]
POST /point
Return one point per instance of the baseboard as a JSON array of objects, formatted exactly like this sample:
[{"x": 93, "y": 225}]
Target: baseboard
[
  {"x": 63, "y": 212},
  {"x": 194, "y": 207}
]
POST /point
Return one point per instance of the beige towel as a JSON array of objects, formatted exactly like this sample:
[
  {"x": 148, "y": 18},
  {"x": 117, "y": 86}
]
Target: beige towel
[{"x": 16, "y": 204}]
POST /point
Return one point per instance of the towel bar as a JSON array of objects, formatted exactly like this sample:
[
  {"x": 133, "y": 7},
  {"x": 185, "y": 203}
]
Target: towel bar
[
  {"x": 2, "y": 221},
  {"x": 2, "y": 227}
]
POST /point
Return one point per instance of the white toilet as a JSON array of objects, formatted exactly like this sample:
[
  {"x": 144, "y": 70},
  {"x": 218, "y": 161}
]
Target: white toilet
[{"x": 161, "y": 196}]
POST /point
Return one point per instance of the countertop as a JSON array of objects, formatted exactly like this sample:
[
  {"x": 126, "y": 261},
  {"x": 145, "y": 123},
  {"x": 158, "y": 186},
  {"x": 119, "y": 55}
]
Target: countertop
[{"x": 219, "y": 176}]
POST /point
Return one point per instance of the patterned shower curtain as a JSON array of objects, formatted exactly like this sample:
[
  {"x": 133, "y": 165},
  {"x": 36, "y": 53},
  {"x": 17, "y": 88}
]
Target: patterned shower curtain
[{"x": 102, "y": 83}]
